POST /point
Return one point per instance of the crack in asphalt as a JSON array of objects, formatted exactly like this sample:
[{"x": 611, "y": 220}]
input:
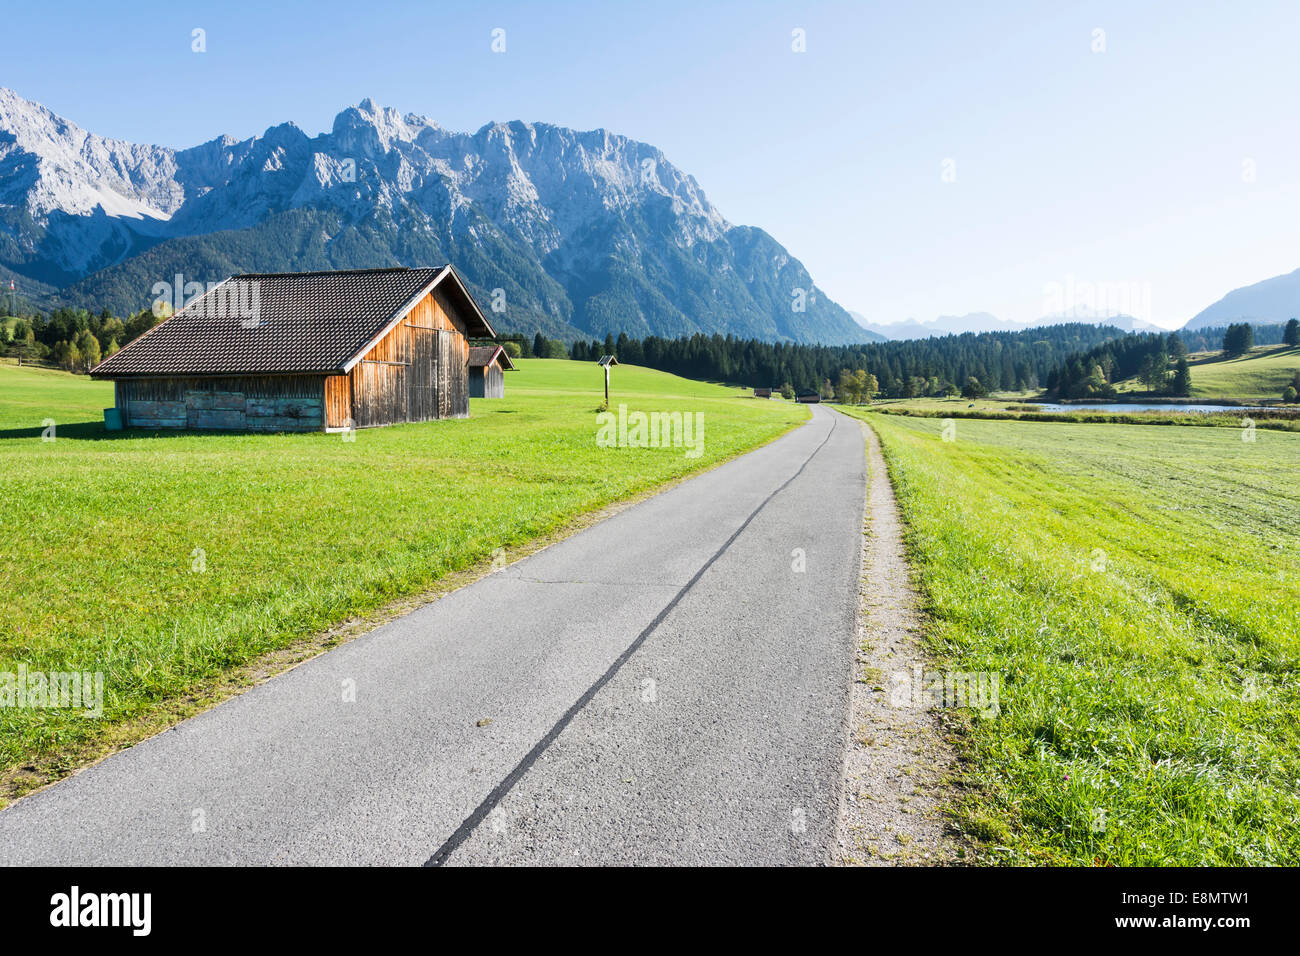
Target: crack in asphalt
[{"x": 471, "y": 823}]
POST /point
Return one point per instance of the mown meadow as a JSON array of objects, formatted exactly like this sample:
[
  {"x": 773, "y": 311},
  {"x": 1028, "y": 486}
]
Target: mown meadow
[
  {"x": 1137, "y": 589},
  {"x": 164, "y": 560}
]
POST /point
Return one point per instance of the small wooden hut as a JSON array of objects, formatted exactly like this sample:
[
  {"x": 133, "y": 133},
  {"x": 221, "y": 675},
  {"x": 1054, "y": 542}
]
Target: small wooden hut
[
  {"x": 487, "y": 367},
  {"x": 305, "y": 351}
]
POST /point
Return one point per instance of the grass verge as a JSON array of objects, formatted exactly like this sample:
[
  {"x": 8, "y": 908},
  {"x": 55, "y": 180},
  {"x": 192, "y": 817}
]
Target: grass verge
[{"x": 1137, "y": 592}]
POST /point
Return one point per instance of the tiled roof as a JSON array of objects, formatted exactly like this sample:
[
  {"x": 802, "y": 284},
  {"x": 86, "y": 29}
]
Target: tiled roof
[
  {"x": 276, "y": 323},
  {"x": 481, "y": 355}
]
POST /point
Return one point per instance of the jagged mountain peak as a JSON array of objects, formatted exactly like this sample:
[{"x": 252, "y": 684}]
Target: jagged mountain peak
[
  {"x": 375, "y": 129},
  {"x": 50, "y": 164},
  {"x": 574, "y": 232}
]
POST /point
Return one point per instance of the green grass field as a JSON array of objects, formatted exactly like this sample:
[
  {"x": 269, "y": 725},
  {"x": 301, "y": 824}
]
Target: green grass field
[
  {"x": 297, "y": 532},
  {"x": 1138, "y": 590},
  {"x": 1261, "y": 373},
  {"x": 29, "y": 395},
  {"x": 1280, "y": 418}
]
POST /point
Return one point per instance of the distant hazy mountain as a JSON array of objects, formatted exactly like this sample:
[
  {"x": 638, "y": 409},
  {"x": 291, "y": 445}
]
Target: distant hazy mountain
[
  {"x": 945, "y": 325},
  {"x": 986, "y": 322},
  {"x": 1264, "y": 303},
  {"x": 1119, "y": 321},
  {"x": 584, "y": 232},
  {"x": 868, "y": 330}
]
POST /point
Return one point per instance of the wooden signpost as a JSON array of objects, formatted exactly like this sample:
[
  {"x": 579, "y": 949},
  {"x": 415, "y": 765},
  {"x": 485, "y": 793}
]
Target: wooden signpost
[{"x": 605, "y": 362}]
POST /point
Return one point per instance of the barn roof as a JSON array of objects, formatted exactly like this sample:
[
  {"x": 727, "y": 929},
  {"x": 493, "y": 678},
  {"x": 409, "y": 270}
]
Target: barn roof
[
  {"x": 286, "y": 323},
  {"x": 484, "y": 355}
]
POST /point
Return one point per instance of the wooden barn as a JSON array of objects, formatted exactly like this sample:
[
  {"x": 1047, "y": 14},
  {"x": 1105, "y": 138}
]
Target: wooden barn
[
  {"x": 762, "y": 393},
  {"x": 305, "y": 351},
  {"x": 488, "y": 365},
  {"x": 807, "y": 397}
]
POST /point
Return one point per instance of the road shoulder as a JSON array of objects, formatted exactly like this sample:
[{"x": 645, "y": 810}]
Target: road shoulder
[{"x": 898, "y": 763}]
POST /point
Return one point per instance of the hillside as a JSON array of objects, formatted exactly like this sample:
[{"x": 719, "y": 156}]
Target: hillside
[
  {"x": 577, "y": 234},
  {"x": 1261, "y": 373}
]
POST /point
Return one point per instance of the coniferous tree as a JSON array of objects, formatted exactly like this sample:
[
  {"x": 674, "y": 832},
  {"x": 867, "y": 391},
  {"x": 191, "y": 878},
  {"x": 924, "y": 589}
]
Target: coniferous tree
[
  {"x": 1181, "y": 385},
  {"x": 1238, "y": 339}
]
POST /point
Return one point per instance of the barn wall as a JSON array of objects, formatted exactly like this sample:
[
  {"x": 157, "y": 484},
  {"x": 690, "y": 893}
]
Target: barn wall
[
  {"x": 284, "y": 403},
  {"x": 437, "y": 312},
  {"x": 487, "y": 382},
  {"x": 378, "y": 391},
  {"x": 338, "y": 401},
  {"x": 419, "y": 371},
  {"x": 151, "y": 403}
]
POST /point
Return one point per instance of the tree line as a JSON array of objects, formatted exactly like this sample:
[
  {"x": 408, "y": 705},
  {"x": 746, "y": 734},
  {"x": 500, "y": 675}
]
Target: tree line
[
  {"x": 1143, "y": 355},
  {"x": 1158, "y": 360},
  {"x": 73, "y": 339},
  {"x": 969, "y": 363}
]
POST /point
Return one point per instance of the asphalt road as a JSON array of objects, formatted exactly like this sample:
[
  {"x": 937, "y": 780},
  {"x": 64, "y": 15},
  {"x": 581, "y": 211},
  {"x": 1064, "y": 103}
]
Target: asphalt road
[{"x": 666, "y": 687}]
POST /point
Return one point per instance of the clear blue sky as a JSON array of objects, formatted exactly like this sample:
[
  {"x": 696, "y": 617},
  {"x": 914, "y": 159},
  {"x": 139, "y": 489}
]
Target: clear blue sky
[{"x": 1124, "y": 166}]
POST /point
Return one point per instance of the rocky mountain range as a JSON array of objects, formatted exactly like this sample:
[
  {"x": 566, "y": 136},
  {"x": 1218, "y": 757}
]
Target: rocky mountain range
[{"x": 576, "y": 234}]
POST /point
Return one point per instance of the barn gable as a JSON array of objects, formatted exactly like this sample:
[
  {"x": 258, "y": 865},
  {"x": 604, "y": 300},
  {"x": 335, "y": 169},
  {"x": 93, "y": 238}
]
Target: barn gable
[{"x": 416, "y": 370}]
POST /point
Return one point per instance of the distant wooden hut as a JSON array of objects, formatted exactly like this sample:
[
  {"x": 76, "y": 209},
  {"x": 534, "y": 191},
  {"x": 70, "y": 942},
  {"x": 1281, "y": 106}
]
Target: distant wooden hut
[
  {"x": 487, "y": 367},
  {"x": 762, "y": 393},
  {"x": 305, "y": 351},
  {"x": 808, "y": 398}
]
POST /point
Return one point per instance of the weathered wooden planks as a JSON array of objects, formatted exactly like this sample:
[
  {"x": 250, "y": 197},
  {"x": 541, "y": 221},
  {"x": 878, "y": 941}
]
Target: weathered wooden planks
[
  {"x": 338, "y": 401},
  {"x": 259, "y": 403}
]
